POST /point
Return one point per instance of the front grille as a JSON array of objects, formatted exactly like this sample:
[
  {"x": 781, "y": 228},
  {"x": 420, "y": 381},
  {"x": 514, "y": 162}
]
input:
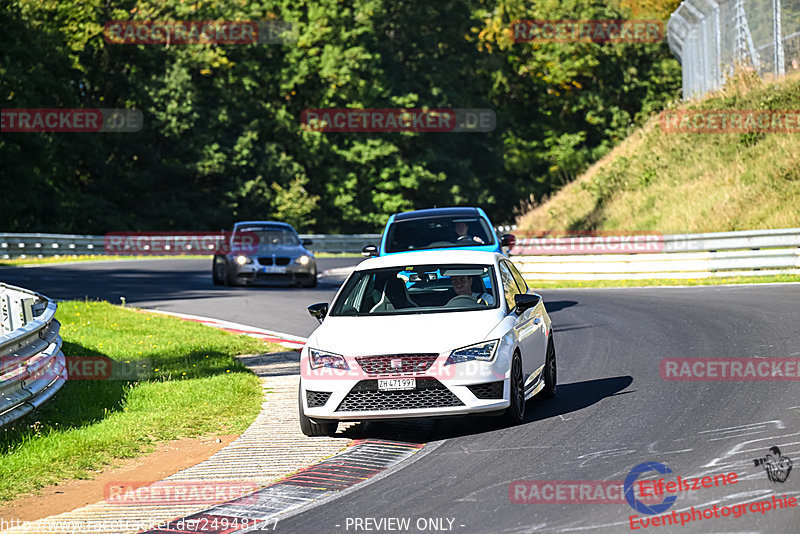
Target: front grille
[
  {"x": 392, "y": 364},
  {"x": 490, "y": 390},
  {"x": 316, "y": 399},
  {"x": 266, "y": 260},
  {"x": 430, "y": 393}
]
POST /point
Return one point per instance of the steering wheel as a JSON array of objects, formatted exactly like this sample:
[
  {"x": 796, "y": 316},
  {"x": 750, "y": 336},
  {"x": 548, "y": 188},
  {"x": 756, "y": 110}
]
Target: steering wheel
[
  {"x": 461, "y": 300},
  {"x": 465, "y": 238}
]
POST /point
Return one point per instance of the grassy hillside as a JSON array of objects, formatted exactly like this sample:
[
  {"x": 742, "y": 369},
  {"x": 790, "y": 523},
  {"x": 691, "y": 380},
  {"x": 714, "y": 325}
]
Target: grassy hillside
[{"x": 678, "y": 183}]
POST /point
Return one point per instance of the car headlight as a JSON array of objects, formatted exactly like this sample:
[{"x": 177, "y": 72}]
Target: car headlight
[
  {"x": 483, "y": 351},
  {"x": 319, "y": 358},
  {"x": 241, "y": 260},
  {"x": 302, "y": 260}
]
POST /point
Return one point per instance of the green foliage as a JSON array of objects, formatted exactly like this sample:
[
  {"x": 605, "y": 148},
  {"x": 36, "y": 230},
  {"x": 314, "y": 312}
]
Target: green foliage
[{"x": 222, "y": 139}]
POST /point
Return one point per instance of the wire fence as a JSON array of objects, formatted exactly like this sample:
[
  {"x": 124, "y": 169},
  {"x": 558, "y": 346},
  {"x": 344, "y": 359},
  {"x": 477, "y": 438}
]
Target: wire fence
[{"x": 712, "y": 39}]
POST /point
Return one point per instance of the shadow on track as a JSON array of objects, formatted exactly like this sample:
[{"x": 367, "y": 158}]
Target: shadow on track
[{"x": 569, "y": 398}]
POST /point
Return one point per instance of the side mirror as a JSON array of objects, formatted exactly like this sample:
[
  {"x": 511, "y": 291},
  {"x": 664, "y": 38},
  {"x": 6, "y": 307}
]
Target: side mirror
[
  {"x": 305, "y": 242},
  {"x": 369, "y": 251},
  {"x": 524, "y": 302},
  {"x": 319, "y": 311},
  {"x": 508, "y": 240}
]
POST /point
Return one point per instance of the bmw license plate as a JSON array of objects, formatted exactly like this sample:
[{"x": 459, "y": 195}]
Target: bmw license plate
[
  {"x": 397, "y": 384},
  {"x": 274, "y": 269}
]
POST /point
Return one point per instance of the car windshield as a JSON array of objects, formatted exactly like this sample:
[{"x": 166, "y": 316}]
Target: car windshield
[
  {"x": 271, "y": 236},
  {"x": 438, "y": 232},
  {"x": 418, "y": 289}
]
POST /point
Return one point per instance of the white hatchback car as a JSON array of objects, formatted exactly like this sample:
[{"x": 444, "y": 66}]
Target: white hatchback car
[{"x": 426, "y": 334}]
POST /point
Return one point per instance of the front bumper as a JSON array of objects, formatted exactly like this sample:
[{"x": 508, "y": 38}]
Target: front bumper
[
  {"x": 292, "y": 274},
  {"x": 468, "y": 388}
]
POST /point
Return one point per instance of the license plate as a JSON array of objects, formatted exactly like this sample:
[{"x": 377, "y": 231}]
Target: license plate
[
  {"x": 274, "y": 269},
  {"x": 397, "y": 384}
]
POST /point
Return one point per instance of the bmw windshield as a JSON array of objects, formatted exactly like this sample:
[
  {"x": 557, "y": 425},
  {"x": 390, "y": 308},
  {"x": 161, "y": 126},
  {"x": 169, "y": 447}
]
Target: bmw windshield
[
  {"x": 271, "y": 236},
  {"x": 418, "y": 289}
]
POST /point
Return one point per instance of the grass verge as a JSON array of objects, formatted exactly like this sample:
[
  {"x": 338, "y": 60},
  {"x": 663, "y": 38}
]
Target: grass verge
[
  {"x": 196, "y": 387},
  {"x": 689, "y": 182},
  {"x": 561, "y": 284}
]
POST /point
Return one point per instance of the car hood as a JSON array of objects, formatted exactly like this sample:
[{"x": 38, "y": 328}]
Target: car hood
[{"x": 401, "y": 334}]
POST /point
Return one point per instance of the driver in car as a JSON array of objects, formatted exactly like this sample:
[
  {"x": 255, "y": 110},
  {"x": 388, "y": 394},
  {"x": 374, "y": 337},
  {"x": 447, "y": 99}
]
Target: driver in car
[
  {"x": 462, "y": 234},
  {"x": 463, "y": 287}
]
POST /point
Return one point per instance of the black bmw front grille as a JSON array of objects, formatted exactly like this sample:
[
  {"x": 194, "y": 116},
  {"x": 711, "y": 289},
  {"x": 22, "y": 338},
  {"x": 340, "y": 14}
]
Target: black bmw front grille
[
  {"x": 268, "y": 260},
  {"x": 392, "y": 364},
  {"x": 316, "y": 399},
  {"x": 430, "y": 393},
  {"x": 490, "y": 390}
]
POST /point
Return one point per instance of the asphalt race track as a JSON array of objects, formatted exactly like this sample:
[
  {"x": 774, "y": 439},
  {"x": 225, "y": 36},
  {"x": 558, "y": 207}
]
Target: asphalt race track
[{"x": 612, "y": 410}]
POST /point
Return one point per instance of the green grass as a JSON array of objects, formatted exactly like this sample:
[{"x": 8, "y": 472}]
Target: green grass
[
  {"x": 196, "y": 387},
  {"x": 560, "y": 284},
  {"x": 688, "y": 183}
]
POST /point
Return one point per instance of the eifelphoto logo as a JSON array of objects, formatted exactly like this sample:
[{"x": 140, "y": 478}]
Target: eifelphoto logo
[
  {"x": 169, "y": 492},
  {"x": 730, "y": 369},
  {"x": 74, "y": 120},
  {"x": 181, "y": 32},
  {"x": 180, "y": 243},
  {"x": 719, "y": 121},
  {"x": 775, "y": 464},
  {"x": 375, "y": 120},
  {"x": 588, "y": 242},
  {"x": 588, "y": 31}
]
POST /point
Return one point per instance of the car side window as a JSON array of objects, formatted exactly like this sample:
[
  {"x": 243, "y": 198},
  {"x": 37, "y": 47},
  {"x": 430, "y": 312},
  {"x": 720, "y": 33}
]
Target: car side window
[
  {"x": 523, "y": 287},
  {"x": 509, "y": 285}
]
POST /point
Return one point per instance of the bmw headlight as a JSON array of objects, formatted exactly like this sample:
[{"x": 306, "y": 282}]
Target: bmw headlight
[
  {"x": 241, "y": 260},
  {"x": 319, "y": 358},
  {"x": 483, "y": 351},
  {"x": 302, "y": 260}
]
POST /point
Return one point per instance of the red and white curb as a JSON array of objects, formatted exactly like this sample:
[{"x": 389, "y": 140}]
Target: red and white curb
[{"x": 285, "y": 340}]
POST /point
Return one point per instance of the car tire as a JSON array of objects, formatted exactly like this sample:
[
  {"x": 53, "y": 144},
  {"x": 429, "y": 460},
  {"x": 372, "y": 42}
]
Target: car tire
[
  {"x": 215, "y": 273},
  {"x": 550, "y": 373},
  {"x": 515, "y": 413},
  {"x": 312, "y": 428},
  {"x": 313, "y": 281}
]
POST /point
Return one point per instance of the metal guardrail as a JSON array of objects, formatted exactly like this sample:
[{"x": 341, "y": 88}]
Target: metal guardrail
[
  {"x": 41, "y": 245},
  {"x": 32, "y": 365},
  {"x": 683, "y": 256}
]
